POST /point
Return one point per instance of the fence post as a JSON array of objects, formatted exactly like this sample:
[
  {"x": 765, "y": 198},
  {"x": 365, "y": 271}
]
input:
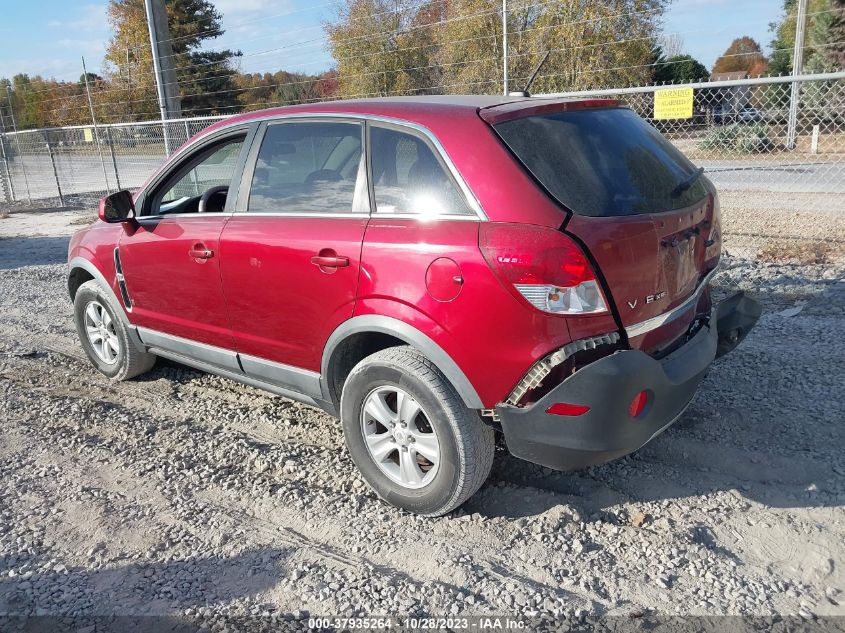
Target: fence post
[
  {"x": 55, "y": 174},
  {"x": 18, "y": 143},
  {"x": 7, "y": 174},
  {"x": 797, "y": 67},
  {"x": 814, "y": 143},
  {"x": 113, "y": 159}
]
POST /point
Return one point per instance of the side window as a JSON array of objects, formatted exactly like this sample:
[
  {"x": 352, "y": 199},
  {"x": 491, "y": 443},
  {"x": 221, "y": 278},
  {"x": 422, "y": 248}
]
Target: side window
[
  {"x": 212, "y": 168},
  {"x": 305, "y": 167},
  {"x": 409, "y": 179}
]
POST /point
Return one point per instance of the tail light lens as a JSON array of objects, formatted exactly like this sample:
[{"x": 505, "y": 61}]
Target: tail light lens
[{"x": 542, "y": 266}]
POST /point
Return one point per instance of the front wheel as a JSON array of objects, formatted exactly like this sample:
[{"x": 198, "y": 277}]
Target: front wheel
[
  {"x": 104, "y": 337},
  {"x": 410, "y": 434}
]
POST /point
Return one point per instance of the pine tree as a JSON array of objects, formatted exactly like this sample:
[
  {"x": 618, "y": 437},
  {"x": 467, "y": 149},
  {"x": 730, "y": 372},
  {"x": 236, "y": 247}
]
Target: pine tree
[{"x": 205, "y": 77}]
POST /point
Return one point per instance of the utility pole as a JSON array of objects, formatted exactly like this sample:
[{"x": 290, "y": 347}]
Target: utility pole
[
  {"x": 96, "y": 130},
  {"x": 505, "y": 46},
  {"x": 797, "y": 69},
  {"x": 167, "y": 87}
]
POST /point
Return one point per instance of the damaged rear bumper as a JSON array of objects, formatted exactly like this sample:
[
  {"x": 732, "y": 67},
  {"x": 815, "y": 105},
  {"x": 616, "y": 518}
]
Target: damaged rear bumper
[{"x": 607, "y": 386}]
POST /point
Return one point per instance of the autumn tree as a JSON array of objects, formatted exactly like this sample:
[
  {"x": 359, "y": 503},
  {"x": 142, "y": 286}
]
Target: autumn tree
[
  {"x": 383, "y": 47},
  {"x": 456, "y": 47},
  {"x": 744, "y": 54}
]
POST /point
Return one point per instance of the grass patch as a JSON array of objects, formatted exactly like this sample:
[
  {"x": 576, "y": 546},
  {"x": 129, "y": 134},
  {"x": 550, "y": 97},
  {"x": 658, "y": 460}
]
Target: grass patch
[
  {"x": 88, "y": 219},
  {"x": 797, "y": 252},
  {"x": 739, "y": 137}
]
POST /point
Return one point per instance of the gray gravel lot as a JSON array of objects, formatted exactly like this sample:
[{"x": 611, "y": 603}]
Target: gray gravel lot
[{"x": 182, "y": 493}]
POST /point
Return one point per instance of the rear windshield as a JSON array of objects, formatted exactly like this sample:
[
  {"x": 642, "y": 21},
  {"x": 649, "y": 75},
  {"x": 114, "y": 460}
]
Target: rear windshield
[{"x": 603, "y": 162}]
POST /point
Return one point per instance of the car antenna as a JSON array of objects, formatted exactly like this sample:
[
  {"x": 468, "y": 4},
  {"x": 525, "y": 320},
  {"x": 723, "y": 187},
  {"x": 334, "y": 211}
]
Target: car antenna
[{"x": 524, "y": 92}]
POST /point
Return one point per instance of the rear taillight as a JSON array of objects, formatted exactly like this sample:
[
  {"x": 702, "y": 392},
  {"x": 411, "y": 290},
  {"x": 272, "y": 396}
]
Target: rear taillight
[{"x": 542, "y": 266}]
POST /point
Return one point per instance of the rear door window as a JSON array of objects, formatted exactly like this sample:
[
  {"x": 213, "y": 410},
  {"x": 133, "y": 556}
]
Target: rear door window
[
  {"x": 603, "y": 162},
  {"x": 409, "y": 179},
  {"x": 308, "y": 167}
]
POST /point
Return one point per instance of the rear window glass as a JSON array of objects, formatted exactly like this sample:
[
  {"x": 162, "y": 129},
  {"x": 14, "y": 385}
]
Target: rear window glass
[
  {"x": 408, "y": 178},
  {"x": 603, "y": 162}
]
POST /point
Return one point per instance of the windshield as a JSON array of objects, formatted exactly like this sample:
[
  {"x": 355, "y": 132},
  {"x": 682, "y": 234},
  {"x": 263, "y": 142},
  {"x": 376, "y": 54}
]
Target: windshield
[{"x": 603, "y": 162}]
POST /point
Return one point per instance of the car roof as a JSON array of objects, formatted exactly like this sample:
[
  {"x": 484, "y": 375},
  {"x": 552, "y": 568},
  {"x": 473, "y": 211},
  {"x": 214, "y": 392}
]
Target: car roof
[{"x": 419, "y": 109}]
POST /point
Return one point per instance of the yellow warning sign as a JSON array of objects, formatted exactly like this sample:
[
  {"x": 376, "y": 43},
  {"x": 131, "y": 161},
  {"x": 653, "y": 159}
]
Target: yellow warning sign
[
  {"x": 673, "y": 103},
  {"x": 87, "y": 135}
]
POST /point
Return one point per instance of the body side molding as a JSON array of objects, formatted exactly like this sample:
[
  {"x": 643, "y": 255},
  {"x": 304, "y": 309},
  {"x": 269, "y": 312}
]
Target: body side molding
[{"x": 247, "y": 380}]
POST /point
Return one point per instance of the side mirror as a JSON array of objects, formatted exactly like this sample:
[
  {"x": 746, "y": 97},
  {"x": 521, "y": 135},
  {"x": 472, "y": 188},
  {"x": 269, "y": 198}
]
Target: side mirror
[{"x": 118, "y": 207}]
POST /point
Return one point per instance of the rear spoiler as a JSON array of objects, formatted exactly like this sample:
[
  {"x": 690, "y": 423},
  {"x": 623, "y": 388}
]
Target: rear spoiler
[{"x": 534, "y": 106}]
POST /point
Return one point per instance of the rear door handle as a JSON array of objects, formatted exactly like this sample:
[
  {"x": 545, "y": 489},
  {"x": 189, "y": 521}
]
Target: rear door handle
[
  {"x": 330, "y": 261},
  {"x": 200, "y": 252}
]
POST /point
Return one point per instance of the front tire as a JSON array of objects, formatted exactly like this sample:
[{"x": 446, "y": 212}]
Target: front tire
[
  {"x": 104, "y": 337},
  {"x": 410, "y": 434}
]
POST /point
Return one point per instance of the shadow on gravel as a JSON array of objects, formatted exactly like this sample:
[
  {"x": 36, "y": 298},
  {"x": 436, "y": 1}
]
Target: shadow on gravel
[
  {"x": 156, "y": 588},
  {"x": 18, "y": 252}
]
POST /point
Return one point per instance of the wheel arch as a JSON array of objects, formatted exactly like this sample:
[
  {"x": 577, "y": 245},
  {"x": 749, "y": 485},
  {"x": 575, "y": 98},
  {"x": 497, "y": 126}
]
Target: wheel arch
[
  {"x": 81, "y": 270},
  {"x": 382, "y": 332}
]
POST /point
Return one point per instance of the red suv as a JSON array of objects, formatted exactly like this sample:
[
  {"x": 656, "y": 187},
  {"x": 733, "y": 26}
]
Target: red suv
[{"x": 431, "y": 270}]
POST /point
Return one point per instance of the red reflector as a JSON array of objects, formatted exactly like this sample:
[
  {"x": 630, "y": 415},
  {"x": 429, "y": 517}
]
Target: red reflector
[
  {"x": 564, "y": 408},
  {"x": 637, "y": 404}
]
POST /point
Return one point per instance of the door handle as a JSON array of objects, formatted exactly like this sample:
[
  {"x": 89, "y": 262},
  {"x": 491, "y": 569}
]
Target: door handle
[
  {"x": 200, "y": 252},
  {"x": 330, "y": 261}
]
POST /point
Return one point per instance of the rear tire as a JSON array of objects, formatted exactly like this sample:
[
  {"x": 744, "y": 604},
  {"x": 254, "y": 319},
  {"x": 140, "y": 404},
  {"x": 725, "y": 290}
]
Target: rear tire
[
  {"x": 430, "y": 453},
  {"x": 104, "y": 337}
]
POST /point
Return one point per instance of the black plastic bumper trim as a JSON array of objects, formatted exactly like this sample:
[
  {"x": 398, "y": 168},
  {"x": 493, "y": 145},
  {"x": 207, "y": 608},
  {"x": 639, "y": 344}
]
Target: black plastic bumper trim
[{"x": 607, "y": 386}]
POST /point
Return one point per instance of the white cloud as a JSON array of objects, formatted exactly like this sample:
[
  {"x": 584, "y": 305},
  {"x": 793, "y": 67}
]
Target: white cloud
[
  {"x": 89, "y": 17},
  {"x": 232, "y": 7}
]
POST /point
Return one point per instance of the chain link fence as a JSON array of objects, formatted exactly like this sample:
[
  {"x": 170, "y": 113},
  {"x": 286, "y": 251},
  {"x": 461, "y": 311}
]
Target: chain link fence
[
  {"x": 778, "y": 162},
  {"x": 76, "y": 166},
  {"x": 778, "y": 159}
]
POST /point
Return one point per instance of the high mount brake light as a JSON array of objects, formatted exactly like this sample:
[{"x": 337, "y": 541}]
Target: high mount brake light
[{"x": 542, "y": 266}]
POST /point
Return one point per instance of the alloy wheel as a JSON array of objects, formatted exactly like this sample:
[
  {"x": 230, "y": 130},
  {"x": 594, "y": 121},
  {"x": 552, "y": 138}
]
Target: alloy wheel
[
  {"x": 99, "y": 327},
  {"x": 399, "y": 437}
]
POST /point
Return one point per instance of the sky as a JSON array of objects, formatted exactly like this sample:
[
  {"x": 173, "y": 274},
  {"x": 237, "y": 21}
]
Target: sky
[{"x": 49, "y": 37}]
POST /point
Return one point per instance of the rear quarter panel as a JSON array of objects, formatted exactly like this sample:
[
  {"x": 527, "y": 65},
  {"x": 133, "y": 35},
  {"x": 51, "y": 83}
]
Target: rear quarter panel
[{"x": 487, "y": 331}]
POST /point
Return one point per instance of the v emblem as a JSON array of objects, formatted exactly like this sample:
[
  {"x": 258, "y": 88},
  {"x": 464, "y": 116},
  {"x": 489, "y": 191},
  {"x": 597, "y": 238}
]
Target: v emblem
[{"x": 632, "y": 304}]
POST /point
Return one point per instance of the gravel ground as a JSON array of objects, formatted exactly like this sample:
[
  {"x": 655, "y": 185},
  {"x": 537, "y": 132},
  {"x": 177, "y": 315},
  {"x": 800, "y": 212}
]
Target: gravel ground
[{"x": 181, "y": 493}]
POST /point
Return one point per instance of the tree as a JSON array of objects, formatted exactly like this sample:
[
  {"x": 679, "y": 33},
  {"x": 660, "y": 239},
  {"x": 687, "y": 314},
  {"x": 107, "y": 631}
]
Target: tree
[
  {"x": 836, "y": 51},
  {"x": 591, "y": 44},
  {"x": 824, "y": 38},
  {"x": 744, "y": 54},
  {"x": 205, "y": 77},
  {"x": 399, "y": 47},
  {"x": 679, "y": 69},
  {"x": 383, "y": 47}
]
